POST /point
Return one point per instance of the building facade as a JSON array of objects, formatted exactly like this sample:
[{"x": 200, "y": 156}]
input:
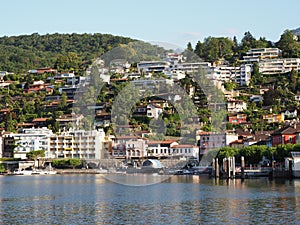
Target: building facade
[
  {"x": 257, "y": 54},
  {"x": 277, "y": 66},
  {"x": 31, "y": 139},
  {"x": 77, "y": 144},
  {"x": 214, "y": 140}
]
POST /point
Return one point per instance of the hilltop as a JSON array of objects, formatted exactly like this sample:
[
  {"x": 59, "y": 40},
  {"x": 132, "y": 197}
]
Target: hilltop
[{"x": 24, "y": 52}]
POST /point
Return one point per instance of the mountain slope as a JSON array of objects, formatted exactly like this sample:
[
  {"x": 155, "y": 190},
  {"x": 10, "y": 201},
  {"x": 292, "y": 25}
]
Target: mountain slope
[{"x": 24, "y": 52}]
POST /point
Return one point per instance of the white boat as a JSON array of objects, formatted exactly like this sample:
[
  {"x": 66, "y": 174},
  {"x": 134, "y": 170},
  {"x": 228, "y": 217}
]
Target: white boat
[
  {"x": 23, "y": 172},
  {"x": 34, "y": 172}
]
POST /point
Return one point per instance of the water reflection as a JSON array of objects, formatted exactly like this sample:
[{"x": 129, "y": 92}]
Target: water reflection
[{"x": 179, "y": 200}]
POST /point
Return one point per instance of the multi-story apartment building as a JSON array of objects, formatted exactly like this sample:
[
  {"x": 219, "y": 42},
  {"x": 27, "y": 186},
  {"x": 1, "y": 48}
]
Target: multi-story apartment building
[
  {"x": 152, "y": 66},
  {"x": 257, "y": 54},
  {"x": 244, "y": 77},
  {"x": 191, "y": 68},
  {"x": 214, "y": 140},
  {"x": 77, "y": 144},
  {"x": 30, "y": 140},
  {"x": 129, "y": 147},
  {"x": 143, "y": 84},
  {"x": 276, "y": 66},
  {"x": 225, "y": 73}
]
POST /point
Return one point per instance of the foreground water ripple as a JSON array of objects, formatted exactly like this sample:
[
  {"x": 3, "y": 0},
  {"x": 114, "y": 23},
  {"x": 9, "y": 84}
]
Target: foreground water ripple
[{"x": 91, "y": 199}]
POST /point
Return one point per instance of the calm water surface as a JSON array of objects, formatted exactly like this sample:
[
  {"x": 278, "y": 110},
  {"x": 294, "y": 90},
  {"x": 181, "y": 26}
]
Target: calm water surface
[{"x": 91, "y": 199}]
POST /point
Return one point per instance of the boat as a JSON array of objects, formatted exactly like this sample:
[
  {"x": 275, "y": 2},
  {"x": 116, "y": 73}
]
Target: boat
[
  {"x": 34, "y": 172},
  {"x": 22, "y": 172},
  {"x": 183, "y": 172}
]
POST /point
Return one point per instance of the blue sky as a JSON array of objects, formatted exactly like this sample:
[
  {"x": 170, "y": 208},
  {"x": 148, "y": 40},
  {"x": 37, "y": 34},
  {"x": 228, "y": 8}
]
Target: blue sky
[{"x": 174, "y": 21}]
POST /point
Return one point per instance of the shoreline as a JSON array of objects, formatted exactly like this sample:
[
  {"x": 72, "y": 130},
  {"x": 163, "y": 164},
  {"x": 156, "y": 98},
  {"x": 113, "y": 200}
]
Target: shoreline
[{"x": 273, "y": 175}]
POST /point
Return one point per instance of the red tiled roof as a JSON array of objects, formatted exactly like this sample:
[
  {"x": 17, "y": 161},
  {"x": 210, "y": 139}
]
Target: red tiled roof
[
  {"x": 185, "y": 146},
  {"x": 40, "y": 120},
  {"x": 286, "y": 130},
  {"x": 128, "y": 137},
  {"x": 5, "y": 110},
  {"x": 25, "y": 125},
  {"x": 162, "y": 142}
]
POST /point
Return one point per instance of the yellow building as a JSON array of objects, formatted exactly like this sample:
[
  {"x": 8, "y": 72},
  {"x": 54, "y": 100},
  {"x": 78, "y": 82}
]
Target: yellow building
[{"x": 273, "y": 118}]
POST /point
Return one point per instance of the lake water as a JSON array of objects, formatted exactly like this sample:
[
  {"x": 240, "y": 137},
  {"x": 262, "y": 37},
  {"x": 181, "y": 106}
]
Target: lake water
[{"x": 92, "y": 199}]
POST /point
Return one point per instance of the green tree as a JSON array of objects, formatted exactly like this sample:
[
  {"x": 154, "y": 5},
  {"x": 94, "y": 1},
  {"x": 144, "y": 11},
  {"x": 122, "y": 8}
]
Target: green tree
[
  {"x": 35, "y": 155},
  {"x": 10, "y": 123},
  {"x": 2, "y": 168},
  {"x": 214, "y": 49},
  {"x": 256, "y": 76},
  {"x": 60, "y": 163},
  {"x": 199, "y": 49},
  {"x": 229, "y": 86},
  {"x": 293, "y": 80},
  {"x": 74, "y": 162},
  {"x": 189, "y": 47},
  {"x": 226, "y": 152},
  {"x": 289, "y": 45},
  {"x": 248, "y": 42},
  {"x": 63, "y": 101}
]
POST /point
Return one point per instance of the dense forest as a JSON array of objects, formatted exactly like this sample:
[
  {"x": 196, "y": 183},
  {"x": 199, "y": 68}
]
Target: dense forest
[{"x": 21, "y": 53}]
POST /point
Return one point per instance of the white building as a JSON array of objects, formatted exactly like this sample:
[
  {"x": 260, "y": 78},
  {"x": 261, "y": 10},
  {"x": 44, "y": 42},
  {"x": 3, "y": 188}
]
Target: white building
[
  {"x": 77, "y": 144},
  {"x": 186, "y": 151},
  {"x": 30, "y": 140},
  {"x": 152, "y": 66},
  {"x": 154, "y": 111},
  {"x": 234, "y": 106},
  {"x": 190, "y": 68},
  {"x": 225, "y": 73},
  {"x": 144, "y": 84},
  {"x": 1, "y": 147},
  {"x": 136, "y": 148},
  {"x": 174, "y": 58},
  {"x": 214, "y": 140},
  {"x": 161, "y": 148},
  {"x": 297, "y": 98},
  {"x": 129, "y": 147},
  {"x": 245, "y": 75},
  {"x": 275, "y": 66},
  {"x": 257, "y": 54},
  {"x": 175, "y": 74}
]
